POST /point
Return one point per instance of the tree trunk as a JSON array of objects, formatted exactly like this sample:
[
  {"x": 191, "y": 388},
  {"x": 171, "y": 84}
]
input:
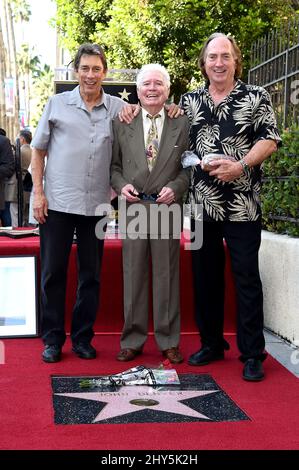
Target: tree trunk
[
  {"x": 14, "y": 70},
  {"x": 3, "y": 117},
  {"x": 12, "y": 126}
]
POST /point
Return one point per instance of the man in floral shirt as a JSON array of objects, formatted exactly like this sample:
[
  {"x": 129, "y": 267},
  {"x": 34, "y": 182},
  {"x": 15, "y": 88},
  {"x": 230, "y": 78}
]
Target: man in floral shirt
[{"x": 231, "y": 118}]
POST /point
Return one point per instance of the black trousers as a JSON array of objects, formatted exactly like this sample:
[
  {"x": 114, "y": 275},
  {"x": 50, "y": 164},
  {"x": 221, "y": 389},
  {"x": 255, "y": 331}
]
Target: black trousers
[
  {"x": 56, "y": 237},
  {"x": 243, "y": 241}
]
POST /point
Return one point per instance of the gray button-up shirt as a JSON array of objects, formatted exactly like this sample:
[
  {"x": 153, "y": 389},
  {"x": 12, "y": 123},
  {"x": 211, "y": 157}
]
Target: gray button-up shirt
[{"x": 79, "y": 148}]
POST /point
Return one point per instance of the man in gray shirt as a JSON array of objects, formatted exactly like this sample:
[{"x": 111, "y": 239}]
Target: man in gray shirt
[{"x": 75, "y": 132}]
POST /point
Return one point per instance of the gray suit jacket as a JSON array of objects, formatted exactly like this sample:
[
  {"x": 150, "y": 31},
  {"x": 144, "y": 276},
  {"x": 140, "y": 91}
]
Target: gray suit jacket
[{"x": 129, "y": 163}]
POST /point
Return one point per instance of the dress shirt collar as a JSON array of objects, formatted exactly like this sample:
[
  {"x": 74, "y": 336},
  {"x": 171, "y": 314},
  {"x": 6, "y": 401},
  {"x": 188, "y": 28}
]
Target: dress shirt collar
[
  {"x": 76, "y": 99},
  {"x": 145, "y": 113}
]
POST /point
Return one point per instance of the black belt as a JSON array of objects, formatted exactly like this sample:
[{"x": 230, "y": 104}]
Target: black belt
[{"x": 148, "y": 197}]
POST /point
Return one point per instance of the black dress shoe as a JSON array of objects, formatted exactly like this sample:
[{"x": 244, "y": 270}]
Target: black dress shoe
[
  {"x": 204, "y": 356},
  {"x": 51, "y": 353},
  {"x": 84, "y": 350},
  {"x": 128, "y": 354},
  {"x": 253, "y": 370}
]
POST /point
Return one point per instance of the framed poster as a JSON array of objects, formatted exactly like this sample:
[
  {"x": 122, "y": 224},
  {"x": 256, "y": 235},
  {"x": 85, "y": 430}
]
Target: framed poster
[{"x": 18, "y": 296}]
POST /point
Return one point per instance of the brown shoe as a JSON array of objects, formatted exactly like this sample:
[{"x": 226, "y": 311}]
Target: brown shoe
[
  {"x": 173, "y": 355},
  {"x": 125, "y": 355}
]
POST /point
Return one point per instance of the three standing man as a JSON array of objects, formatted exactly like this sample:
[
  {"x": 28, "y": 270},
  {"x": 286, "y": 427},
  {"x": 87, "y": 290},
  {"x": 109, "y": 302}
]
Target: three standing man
[{"x": 226, "y": 117}]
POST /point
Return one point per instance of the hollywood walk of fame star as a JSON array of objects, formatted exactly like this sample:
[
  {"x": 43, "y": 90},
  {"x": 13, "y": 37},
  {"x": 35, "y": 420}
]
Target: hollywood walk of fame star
[
  {"x": 119, "y": 403},
  {"x": 124, "y": 94}
]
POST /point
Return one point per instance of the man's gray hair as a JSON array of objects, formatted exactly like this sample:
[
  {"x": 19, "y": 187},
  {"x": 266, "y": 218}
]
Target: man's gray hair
[{"x": 152, "y": 68}]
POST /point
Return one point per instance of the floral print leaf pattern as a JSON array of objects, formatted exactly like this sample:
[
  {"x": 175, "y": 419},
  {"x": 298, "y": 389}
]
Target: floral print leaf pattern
[
  {"x": 206, "y": 138},
  {"x": 256, "y": 191},
  {"x": 193, "y": 107},
  {"x": 243, "y": 209},
  {"x": 211, "y": 199},
  {"x": 223, "y": 112},
  {"x": 242, "y": 184},
  {"x": 236, "y": 146}
]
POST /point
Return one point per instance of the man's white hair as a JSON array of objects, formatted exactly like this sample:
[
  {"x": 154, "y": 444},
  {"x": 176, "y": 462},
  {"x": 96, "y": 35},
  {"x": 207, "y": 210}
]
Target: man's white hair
[{"x": 152, "y": 68}]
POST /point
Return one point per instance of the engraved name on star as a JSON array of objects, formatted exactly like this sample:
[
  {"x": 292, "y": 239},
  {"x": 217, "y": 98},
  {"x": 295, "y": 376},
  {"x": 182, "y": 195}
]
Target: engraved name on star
[
  {"x": 124, "y": 94},
  {"x": 118, "y": 403}
]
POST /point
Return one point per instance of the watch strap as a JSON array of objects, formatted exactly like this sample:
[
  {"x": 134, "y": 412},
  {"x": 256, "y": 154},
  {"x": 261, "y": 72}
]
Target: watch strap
[{"x": 245, "y": 166}]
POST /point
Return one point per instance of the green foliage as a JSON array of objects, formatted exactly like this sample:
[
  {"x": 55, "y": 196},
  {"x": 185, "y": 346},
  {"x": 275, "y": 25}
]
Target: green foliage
[
  {"x": 43, "y": 87},
  {"x": 77, "y": 20},
  {"x": 171, "y": 32},
  {"x": 26, "y": 62},
  {"x": 20, "y": 9},
  {"x": 280, "y": 197}
]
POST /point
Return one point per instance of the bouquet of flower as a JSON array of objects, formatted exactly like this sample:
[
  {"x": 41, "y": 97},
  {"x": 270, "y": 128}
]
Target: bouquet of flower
[
  {"x": 139, "y": 375},
  {"x": 213, "y": 157},
  {"x": 189, "y": 158}
]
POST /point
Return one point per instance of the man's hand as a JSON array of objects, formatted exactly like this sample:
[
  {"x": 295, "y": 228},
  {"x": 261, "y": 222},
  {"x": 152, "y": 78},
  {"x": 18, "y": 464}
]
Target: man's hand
[
  {"x": 128, "y": 113},
  {"x": 40, "y": 207},
  {"x": 166, "y": 196},
  {"x": 173, "y": 110},
  {"x": 226, "y": 170},
  {"x": 130, "y": 193}
]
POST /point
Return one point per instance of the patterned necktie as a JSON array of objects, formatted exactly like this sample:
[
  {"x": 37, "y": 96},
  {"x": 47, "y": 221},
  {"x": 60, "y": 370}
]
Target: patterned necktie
[{"x": 152, "y": 142}]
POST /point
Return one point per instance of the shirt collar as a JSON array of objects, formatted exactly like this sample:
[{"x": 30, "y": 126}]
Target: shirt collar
[
  {"x": 145, "y": 113},
  {"x": 239, "y": 86},
  {"x": 76, "y": 99}
]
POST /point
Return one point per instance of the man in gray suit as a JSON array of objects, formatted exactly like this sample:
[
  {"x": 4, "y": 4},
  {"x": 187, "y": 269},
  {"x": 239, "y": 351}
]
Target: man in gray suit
[{"x": 146, "y": 171}]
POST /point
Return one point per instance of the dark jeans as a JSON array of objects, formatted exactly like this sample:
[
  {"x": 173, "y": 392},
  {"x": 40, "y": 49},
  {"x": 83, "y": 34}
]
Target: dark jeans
[
  {"x": 55, "y": 245},
  {"x": 243, "y": 241}
]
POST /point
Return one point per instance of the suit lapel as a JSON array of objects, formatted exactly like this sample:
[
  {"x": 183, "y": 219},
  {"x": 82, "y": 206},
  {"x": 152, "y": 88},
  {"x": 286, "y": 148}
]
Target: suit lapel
[
  {"x": 136, "y": 142},
  {"x": 168, "y": 140}
]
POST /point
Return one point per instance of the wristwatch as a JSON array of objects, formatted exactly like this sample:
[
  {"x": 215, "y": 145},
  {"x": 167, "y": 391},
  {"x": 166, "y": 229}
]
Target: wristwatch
[{"x": 245, "y": 166}]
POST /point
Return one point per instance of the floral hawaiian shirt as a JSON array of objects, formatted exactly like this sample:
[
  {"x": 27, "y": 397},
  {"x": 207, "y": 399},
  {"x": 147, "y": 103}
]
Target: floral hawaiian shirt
[{"x": 231, "y": 127}]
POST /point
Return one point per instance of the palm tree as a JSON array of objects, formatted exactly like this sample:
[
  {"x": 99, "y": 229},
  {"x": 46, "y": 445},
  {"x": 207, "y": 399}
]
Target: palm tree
[
  {"x": 42, "y": 88},
  {"x": 28, "y": 66},
  {"x": 3, "y": 117}
]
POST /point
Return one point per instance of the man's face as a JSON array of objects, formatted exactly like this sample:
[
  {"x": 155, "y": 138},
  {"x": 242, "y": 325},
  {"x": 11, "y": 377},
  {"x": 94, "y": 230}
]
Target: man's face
[
  {"x": 220, "y": 63},
  {"x": 153, "y": 91},
  {"x": 91, "y": 73}
]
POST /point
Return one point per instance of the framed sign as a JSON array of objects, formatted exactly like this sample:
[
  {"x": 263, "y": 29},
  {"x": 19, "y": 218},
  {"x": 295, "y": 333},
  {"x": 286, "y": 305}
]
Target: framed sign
[{"x": 18, "y": 296}]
